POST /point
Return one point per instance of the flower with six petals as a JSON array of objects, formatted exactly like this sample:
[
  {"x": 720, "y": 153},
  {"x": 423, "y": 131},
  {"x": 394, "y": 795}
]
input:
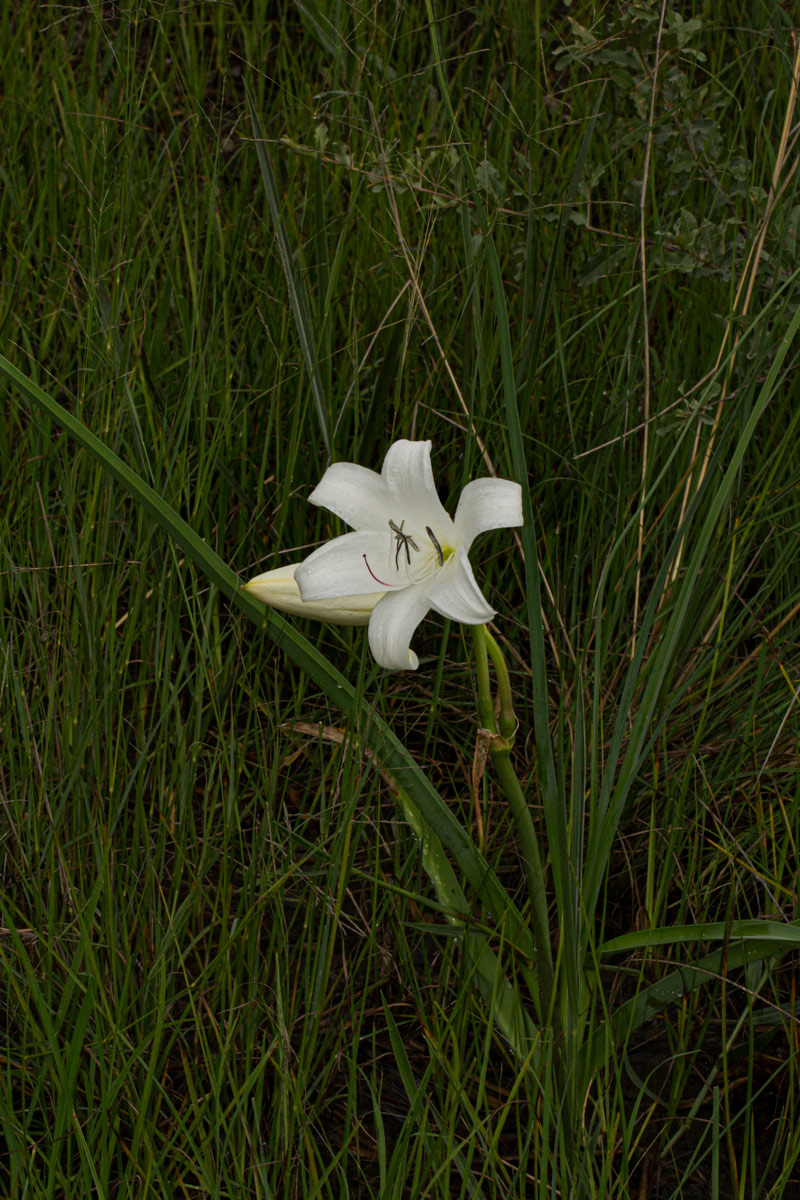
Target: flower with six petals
[{"x": 406, "y": 555}]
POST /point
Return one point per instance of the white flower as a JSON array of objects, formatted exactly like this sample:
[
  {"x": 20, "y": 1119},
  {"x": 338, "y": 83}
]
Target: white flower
[
  {"x": 407, "y": 555},
  {"x": 279, "y": 590}
]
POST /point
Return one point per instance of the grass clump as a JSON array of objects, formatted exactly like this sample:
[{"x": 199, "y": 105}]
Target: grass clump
[{"x": 225, "y": 971}]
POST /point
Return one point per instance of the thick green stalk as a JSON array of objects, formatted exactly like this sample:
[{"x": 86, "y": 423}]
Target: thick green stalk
[
  {"x": 485, "y": 704},
  {"x": 529, "y": 846},
  {"x": 506, "y": 717},
  {"x": 500, "y": 749}
]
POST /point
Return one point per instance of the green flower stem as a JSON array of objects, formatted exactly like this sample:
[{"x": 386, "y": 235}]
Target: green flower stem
[
  {"x": 529, "y": 846},
  {"x": 506, "y": 717},
  {"x": 500, "y": 750},
  {"x": 485, "y": 703}
]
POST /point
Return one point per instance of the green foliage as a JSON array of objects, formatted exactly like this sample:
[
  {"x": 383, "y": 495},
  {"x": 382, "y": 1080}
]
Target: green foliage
[{"x": 226, "y": 970}]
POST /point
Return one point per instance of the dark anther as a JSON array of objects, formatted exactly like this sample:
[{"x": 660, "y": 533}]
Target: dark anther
[
  {"x": 404, "y": 542},
  {"x": 436, "y": 545}
]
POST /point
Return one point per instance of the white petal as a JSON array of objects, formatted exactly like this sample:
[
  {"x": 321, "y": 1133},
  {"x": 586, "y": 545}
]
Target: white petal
[
  {"x": 391, "y": 625},
  {"x": 408, "y": 476},
  {"x": 357, "y": 495},
  {"x": 344, "y": 567},
  {"x": 487, "y": 504},
  {"x": 454, "y": 593},
  {"x": 279, "y": 590}
]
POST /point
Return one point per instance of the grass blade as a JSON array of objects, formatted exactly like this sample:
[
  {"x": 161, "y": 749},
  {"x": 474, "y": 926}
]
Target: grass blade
[
  {"x": 297, "y": 293},
  {"x": 391, "y": 753}
]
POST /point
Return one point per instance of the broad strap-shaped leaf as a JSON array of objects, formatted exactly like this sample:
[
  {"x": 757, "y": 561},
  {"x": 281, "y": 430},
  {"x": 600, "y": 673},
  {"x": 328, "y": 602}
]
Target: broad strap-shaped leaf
[
  {"x": 745, "y": 942},
  {"x": 434, "y": 819}
]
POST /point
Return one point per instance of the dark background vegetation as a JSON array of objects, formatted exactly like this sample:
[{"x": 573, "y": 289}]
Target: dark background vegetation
[{"x": 213, "y": 916}]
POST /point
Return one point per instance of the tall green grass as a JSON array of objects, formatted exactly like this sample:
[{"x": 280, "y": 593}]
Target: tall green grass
[{"x": 236, "y": 245}]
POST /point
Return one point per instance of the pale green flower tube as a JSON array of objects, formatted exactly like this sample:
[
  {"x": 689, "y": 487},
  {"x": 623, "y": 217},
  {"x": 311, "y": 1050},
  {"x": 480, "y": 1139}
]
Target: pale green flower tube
[{"x": 278, "y": 590}]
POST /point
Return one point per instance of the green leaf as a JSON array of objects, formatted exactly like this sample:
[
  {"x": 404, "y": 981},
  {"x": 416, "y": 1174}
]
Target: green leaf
[
  {"x": 430, "y": 816},
  {"x": 646, "y": 1004},
  {"x": 785, "y": 935},
  {"x": 294, "y": 281}
]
